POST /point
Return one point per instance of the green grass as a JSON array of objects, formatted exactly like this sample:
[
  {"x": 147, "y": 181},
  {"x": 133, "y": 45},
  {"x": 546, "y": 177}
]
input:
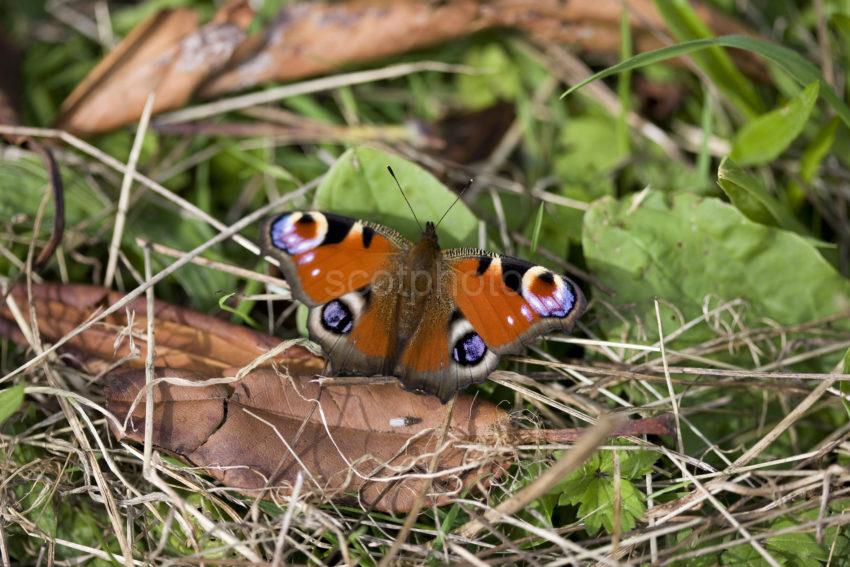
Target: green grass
[{"x": 741, "y": 235}]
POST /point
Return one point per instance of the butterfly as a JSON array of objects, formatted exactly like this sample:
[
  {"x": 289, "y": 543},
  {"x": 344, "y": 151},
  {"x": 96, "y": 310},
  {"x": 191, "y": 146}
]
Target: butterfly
[{"x": 437, "y": 319}]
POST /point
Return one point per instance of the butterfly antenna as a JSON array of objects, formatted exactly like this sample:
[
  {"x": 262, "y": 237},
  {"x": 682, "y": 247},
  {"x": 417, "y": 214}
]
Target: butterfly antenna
[
  {"x": 392, "y": 174},
  {"x": 459, "y": 195}
]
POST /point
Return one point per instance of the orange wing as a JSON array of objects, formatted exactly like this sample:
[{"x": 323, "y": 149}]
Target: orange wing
[
  {"x": 324, "y": 256},
  {"x": 509, "y": 301}
]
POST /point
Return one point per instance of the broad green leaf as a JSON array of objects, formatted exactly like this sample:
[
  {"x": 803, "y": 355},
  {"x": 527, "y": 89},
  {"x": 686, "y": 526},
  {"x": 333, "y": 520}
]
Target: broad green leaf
[
  {"x": 764, "y": 138},
  {"x": 587, "y": 154},
  {"x": 752, "y": 199},
  {"x": 684, "y": 249},
  {"x": 358, "y": 185},
  {"x": 801, "y": 70},
  {"x": 635, "y": 464},
  {"x": 685, "y": 24},
  {"x": 592, "y": 489},
  {"x": 11, "y": 400}
]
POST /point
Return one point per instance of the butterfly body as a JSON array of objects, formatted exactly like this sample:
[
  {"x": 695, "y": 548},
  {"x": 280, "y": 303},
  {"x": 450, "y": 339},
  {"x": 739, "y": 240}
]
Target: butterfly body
[{"x": 437, "y": 319}]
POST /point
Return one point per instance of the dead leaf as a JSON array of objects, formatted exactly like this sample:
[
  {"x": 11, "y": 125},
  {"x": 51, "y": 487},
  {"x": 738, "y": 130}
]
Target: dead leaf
[
  {"x": 167, "y": 55},
  {"x": 174, "y": 58},
  {"x": 366, "y": 444},
  {"x": 185, "y": 339}
]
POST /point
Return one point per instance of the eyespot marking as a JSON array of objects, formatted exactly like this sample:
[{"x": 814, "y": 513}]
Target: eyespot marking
[
  {"x": 469, "y": 350},
  {"x": 297, "y": 233},
  {"x": 337, "y": 317},
  {"x": 547, "y": 295}
]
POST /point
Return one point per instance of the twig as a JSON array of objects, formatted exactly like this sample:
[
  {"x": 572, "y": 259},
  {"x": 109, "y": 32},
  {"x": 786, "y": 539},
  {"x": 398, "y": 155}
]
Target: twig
[
  {"x": 124, "y": 196},
  {"x": 306, "y": 87}
]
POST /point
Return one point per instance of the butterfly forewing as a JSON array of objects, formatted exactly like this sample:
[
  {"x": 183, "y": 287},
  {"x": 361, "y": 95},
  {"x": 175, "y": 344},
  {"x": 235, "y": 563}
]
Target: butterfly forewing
[{"x": 324, "y": 256}]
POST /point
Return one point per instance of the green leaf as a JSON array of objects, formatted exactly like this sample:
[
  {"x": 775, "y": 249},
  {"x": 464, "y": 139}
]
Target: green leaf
[
  {"x": 685, "y": 24},
  {"x": 685, "y": 248},
  {"x": 538, "y": 224},
  {"x": 800, "y": 548},
  {"x": 359, "y": 185},
  {"x": 635, "y": 464},
  {"x": 752, "y": 199},
  {"x": 11, "y": 400},
  {"x": 497, "y": 77},
  {"x": 764, "y": 138},
  {"x": 818, "y": 149},
  {"x": 592, "y": 489},
  {"x": 801, "y": 70}
]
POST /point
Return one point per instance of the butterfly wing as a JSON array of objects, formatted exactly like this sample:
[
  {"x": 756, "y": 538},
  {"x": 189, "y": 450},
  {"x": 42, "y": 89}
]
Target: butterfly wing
[
  {"x": 343, "y": 270},
  {"x": 490, "y": 305}
]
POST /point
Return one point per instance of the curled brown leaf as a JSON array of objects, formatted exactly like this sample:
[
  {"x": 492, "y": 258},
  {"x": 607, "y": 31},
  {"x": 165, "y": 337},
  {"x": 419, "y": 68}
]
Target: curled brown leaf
[
  {"x": 168, "y": 55},
  {"x": 174, "y": 57},
  {"x": 185, "y": 339}
]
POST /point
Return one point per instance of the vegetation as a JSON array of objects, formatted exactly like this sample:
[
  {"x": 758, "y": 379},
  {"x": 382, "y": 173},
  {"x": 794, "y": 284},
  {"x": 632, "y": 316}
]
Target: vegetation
[{"x": 705, "y": 210}]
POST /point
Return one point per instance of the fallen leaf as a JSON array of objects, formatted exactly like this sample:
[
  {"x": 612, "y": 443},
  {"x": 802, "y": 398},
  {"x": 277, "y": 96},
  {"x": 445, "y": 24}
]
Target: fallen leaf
[
  {"x": 185, "y": 339},
  {"x": 357, "y": 443},
  {"x": 173, "y": 57},
  {"x": 305, "y": 38},
  {"x": 167, "y": 55}
]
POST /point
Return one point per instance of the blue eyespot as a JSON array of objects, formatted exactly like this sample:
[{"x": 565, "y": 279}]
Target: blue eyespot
[
  {"x": 337, "y": 317},
  {"x": 469, "y": 349}
]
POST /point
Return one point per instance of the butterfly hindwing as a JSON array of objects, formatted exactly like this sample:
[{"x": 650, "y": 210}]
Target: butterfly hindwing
[{"x": 445, "y": 355}]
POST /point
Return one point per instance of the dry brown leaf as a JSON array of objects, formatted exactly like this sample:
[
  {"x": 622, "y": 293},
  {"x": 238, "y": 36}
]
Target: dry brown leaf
[
  {"x": 167, "y": 55},
  {"x": 185, "y": 338},
  {"x": 307, "y": 38},
  {"x": 367, "y": 444},
  {"x": 171, "y": 56}
]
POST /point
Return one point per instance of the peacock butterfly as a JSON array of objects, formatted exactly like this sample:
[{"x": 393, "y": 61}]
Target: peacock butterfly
[{"x": 437, "y": 319}]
